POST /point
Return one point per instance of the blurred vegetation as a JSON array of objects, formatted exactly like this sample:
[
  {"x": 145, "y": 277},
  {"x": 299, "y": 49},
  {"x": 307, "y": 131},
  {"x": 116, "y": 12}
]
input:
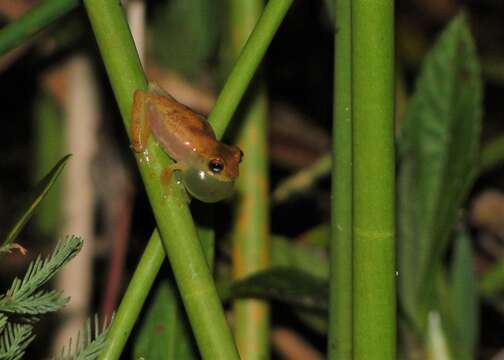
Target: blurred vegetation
[{"x": 27, "y": 301}]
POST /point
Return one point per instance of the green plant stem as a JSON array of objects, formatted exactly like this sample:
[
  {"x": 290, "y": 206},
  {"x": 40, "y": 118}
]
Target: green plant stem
[
  {"x": 246, "y": 64},
  {"x": 174, "y": 221},
  {"x": 139, "y": 288},
  {"x": 33, "y": 21},
  {"x": 340, "y": 280},
  {"x": 131, "y": 304},
  {"x": 373, "y": 179},
  {"x": 251, "y": 245},
  {"x": 251, "y": 242}
]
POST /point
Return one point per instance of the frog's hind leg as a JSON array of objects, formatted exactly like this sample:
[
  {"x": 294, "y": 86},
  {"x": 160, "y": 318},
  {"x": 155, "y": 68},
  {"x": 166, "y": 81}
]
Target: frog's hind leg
[{"x": 140, "y": 129}]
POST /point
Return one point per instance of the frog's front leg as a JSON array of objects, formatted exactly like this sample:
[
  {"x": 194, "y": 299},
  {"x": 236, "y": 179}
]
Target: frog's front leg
[
  {"x": 140, "y": 128},
  {"x": 166, "y": 175},
  {"x": 166, "y": 178}
]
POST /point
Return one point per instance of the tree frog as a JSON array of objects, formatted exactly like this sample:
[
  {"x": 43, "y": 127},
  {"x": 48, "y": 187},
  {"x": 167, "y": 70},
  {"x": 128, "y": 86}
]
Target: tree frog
[{"x": 207, "y": 167}]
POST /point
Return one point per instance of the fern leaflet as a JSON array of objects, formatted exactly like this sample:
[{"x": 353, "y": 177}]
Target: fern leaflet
[
  {"x": 14, "y": 340},
  {"x": 25, "y": 297},
  {"x": 88, "y": 344}
]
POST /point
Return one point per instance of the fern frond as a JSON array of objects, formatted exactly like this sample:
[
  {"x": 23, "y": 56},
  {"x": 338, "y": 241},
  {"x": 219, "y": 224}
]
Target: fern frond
[
  {"x": 24, "y": 296},
  {"x": 88, "y": 344},
  {"x": 14, "y": 340}
]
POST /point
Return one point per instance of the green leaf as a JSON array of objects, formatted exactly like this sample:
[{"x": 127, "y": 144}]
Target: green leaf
[
  {"x": 302, "y": 180},
  {"x": 165, "y": 333},
  {"x": 437, "y": 347},
  {"x": 462, "y": 325},
  {"x": 309, "y": 258},
  {"x": 288, "y": 285},
  {"x": 492, "y": 281},
  {"x": 30, "y": 204},
  {"x": 190, "y": 27},
  {"x": 315, "y": 320},
  {"x": 319, "y": 236},
  {"x": 48, "y": 143},
  {"x": 438, "y": 153},
  {"x": 307, "y": 255},
  {"x": 492, "y": 154}
]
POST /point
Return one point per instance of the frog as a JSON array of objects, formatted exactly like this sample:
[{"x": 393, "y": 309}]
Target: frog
[{"x": 206, "y": 167}]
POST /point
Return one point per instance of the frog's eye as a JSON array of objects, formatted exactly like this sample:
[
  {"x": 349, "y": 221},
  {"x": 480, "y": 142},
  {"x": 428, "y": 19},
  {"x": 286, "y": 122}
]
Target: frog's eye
[
  {"x": 205, "y": 187},
  {"x": 216, "y": 166}
]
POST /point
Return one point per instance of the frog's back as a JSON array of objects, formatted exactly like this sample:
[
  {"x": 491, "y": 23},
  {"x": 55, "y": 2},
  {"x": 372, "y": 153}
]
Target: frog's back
[{"x": 183, "y": 133}]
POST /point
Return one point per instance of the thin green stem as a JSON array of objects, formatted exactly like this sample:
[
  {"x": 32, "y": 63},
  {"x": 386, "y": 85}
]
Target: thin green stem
[
  {"x": 33, "y": 21},
  {"x": 247, "y": 64},
  {"x": 174, "y": 221},
  {"x": 251, "y": 246},
  {"x": 131, "y": 304},
  {"x": 340, "y": 283},
  {"x": 139, "y": 288},
  {"x": 373, "y": 179}
]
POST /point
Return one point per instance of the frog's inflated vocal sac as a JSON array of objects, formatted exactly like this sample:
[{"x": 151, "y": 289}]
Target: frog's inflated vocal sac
[{"x": 208, "y": 167}]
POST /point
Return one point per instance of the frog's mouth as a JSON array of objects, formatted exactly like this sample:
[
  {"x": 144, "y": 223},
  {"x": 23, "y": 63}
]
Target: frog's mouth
[{"x": 205, "y": 186}]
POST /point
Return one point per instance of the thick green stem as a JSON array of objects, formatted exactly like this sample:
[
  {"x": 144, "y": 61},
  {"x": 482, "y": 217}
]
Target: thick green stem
[
  {"x": 340, "y": 285},
  {"x": 173, "y": 218},
  {"x": 373, "y": 179},
  {"x": 247, "y": 63},
  {"x": 251, "y": 245},
  {"x": 33, "y": 21}
]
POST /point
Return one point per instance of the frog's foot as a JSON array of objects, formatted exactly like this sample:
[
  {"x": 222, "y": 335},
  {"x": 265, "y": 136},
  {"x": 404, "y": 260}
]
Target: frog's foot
[
  {"x": 140, "y": 129},
  {"x": 166, "y": 175}
]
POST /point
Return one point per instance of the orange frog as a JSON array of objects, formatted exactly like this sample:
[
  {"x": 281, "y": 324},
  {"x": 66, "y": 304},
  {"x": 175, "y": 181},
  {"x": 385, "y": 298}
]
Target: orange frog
[{"x": 208, "y": 167}]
